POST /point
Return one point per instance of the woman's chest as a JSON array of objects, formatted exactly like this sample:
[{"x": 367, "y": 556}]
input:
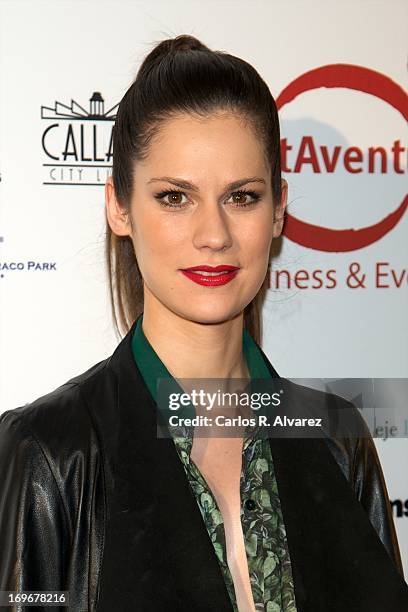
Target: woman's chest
[{"x": 220, "y": 462}]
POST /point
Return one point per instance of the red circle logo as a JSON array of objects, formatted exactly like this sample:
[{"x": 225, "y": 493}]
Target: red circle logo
[{"x": 367, "y": 81}]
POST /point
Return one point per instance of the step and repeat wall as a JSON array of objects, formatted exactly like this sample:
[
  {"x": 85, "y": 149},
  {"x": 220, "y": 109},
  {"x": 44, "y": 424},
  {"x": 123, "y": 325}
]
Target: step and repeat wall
[{"x": 336, "y": 309}]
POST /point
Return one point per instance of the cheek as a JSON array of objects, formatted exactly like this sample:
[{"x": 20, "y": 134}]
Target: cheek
[
  {"x": 256, "y": 241},
  {"x": 157, "y": 237}
]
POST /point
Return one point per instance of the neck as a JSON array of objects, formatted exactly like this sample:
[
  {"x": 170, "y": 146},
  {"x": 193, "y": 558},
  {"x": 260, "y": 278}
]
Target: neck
[{"x": 190, "y": 349}]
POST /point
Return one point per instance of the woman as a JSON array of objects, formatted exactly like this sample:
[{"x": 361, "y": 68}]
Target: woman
[{"x": 95, "y": 503}]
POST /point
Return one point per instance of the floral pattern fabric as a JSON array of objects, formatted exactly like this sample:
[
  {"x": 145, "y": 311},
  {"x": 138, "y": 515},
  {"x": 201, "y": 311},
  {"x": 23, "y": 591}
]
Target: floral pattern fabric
[{"x": 262, "y": 525}]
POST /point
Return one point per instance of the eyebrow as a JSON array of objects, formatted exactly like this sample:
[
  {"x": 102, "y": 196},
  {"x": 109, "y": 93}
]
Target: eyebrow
[{"x": 178, "y": 182}]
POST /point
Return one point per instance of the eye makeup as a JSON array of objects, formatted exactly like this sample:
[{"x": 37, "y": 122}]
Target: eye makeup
[{"x": 255, "y": 197}]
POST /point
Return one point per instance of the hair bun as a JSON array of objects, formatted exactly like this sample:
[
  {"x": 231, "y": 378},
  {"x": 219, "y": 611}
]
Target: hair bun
[
  {"x": 185, "y": 42},
  {"x": 170, "y": 46}
]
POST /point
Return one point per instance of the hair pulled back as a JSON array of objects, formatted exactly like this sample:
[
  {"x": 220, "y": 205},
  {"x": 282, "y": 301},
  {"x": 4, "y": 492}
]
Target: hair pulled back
[{"x": 181, "y": 75}]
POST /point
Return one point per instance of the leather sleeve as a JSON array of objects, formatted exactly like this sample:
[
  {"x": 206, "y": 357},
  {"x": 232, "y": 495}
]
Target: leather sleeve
[
  {"x": 371, "y": 490},
  {"x": 33, "y": 528}
]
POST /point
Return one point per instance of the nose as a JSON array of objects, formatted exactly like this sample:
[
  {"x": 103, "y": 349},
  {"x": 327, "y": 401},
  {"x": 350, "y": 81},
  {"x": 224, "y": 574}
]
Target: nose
[{"x": 211, "y": 227}]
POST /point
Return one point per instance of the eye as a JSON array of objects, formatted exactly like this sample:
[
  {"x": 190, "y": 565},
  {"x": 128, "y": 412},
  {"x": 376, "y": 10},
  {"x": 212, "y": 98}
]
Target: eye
[
  {"x": 240, "y": 198},
  {"x": 175, "y": 198}
]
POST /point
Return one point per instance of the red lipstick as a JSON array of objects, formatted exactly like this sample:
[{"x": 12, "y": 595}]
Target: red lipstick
[{"x": 216, "y": 275}]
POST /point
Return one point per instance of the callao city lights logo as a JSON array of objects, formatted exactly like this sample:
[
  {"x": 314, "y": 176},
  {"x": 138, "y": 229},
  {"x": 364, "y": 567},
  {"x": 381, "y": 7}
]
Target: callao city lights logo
[{"x": 77, "y": 143}]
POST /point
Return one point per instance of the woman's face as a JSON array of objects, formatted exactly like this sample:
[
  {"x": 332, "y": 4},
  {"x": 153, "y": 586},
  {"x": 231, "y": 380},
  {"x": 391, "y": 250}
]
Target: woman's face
[{"x": 202, "y": 197}]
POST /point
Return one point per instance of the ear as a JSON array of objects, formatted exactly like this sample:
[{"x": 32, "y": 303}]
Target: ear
[
  {"x": 117, "y": 217},
  {"x": 279, "y": 211}
]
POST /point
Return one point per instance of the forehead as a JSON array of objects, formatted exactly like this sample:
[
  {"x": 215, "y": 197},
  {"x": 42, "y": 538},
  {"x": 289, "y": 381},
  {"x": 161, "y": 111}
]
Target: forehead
[{"x": 223, "y": 142}]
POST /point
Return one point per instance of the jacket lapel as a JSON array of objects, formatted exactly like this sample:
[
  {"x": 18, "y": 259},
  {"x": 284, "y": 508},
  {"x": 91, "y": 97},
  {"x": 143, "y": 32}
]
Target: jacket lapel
[{"x": 158, "y": 555}]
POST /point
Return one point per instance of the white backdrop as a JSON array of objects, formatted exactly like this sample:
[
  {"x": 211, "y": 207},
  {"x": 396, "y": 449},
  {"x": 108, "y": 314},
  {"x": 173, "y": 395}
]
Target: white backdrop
[{"x": 338, "y": 72}]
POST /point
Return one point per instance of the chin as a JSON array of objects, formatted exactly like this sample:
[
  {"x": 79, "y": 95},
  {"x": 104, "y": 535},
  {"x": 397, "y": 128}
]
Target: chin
[{"x": 211, "y": 314}]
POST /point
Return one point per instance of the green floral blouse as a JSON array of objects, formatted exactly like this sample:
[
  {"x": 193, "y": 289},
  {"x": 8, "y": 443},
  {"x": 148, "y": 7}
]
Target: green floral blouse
[{"x": 261, "y": 516}]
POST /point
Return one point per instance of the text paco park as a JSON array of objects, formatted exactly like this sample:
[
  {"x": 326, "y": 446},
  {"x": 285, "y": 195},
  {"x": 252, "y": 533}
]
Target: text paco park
[{"x": 28, "y": 265}]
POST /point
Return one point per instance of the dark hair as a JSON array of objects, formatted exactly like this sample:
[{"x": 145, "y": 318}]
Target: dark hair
[{"x": 181, "y": 75}]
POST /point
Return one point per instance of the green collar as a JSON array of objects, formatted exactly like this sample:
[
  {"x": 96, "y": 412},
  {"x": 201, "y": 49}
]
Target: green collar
[{"x": 152, "y": 368}]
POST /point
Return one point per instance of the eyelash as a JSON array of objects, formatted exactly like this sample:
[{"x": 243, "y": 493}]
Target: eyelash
[{"x": 162, "y": 194}]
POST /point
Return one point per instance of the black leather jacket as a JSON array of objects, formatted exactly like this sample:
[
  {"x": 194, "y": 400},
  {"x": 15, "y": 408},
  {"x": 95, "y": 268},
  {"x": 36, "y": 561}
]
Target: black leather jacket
[{"x": 91, "y": 502}]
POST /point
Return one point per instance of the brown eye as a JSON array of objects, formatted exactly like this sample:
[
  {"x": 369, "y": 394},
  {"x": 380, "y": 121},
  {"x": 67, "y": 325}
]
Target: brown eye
[
  {"x": 175, "y": 198},
  {"x": 244, "y": 198},
  {"x": 171, "y": 198},
  {"x": 239, "y": 197}
]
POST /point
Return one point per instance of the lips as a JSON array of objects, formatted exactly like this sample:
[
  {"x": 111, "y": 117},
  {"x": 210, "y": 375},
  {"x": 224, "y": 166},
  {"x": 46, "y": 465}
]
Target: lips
[
  {"x": 205, "y": 268},
  {"x": 211, "y": 276}
]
